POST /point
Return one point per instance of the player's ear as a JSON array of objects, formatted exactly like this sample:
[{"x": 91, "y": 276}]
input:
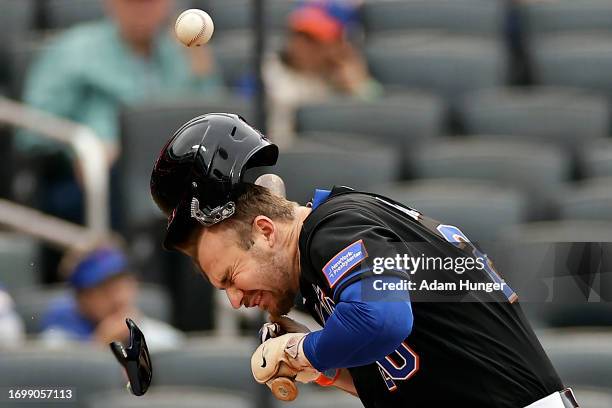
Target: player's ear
[{"x": 265, "y": 227}]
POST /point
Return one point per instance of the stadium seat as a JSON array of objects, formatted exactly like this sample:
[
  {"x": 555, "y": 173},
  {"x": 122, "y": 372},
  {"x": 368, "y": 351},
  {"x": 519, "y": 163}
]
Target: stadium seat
[
  {"x": 589, "y": 200},
  {"x": 16, "y": 19},
  {"x": 32, "y": 303},
  {"x": 597, "y": 159},
  {"x": 480, "y": 17},
  {"x": 231, "y": 15},
  {"x": 311, "y": 397},
  {"x": 479, "y": 209},
  {"x": 546, "y": 17},
  {"x": 535, "y": 169},
  {"x": 145, "y": 127},
  {"x": 234, "y": 54},
  {"x": 59, "y": 14},
  {"x": 593, "y": 397},
  {"x": 560, "y": 270},
  {"x": 308, "y": 165},
  {"x": 22, "y": 54},
  {"x": 234, "y": 58},
  {"x": 574, "y": 60},
  {"x": 175, "y": 397},
  {"x": 400, "y": 121},
  {"x": 447, "y": 65},
  {"x": 567, "y": 117},
  {"x": 20, "y": 261},
  {"x": 207, "y": 362},
  {"x": 394, "y": 120},
  {"x": 84, "y": 370},
  {"x": 581, "y": 359}
]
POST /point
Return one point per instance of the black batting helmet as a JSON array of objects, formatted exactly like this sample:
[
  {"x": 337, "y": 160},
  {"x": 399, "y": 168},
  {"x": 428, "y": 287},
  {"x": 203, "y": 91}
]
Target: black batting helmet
[{"x": 199, "y": 172}]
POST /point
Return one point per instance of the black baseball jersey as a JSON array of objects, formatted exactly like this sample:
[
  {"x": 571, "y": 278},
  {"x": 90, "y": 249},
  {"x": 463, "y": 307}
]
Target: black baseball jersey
[{"x": 467, "y": 347}]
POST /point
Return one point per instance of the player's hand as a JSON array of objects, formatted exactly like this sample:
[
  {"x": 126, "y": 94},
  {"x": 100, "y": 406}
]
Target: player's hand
[
  {"x": 279, "y": 326},
  {"x": 349, "y": 70},
  {"x": 282, "y": 356}
]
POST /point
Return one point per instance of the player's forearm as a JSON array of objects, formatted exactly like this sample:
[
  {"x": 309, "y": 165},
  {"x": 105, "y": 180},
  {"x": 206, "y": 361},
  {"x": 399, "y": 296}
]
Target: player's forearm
[
  {"x": 345, "y": 382},
  {"x": 358, "y": 333}
]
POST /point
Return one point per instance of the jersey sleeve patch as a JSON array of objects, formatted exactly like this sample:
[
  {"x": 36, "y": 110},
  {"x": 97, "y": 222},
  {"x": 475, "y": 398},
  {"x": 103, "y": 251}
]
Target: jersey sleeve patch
[{"x": 344, "y": 261}]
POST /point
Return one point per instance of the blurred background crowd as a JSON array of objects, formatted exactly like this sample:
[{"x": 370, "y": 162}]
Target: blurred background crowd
[{"x": 493, "y": 115}]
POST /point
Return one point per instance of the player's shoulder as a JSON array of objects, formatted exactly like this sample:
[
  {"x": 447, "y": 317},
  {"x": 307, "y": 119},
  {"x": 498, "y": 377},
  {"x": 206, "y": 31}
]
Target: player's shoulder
[{"x": 345, "y": 205}]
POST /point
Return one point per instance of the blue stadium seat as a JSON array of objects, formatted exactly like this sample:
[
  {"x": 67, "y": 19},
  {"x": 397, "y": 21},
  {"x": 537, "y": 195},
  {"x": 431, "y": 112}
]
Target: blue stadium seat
[
  {"x": 479, "y": 209},
  {"x": 533, "y": 168},
  {"x": 589, "y": 200},
  {"x": 480, "y": 17},
  {"x": 84, "y": 370},
  {"x": 308, "y": 165},
  {"x": 447, "y": 65},
  {"x": 566, "y": 117},
  {"x": 597, "y": 159},
  {"x": 20, "y": 261},
  {"x": 574, "y": 60},
  {"x": 546, "y": 17}
]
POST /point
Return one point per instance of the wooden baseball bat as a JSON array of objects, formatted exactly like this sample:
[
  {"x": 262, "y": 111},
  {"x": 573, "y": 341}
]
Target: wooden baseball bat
[
  {"x": 283, "y": 388},
  {"x": 273, "y": 183}
]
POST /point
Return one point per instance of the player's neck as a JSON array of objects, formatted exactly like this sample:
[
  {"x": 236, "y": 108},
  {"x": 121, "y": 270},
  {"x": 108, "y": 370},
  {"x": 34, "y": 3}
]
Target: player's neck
[{"x": 294, "y": 237}]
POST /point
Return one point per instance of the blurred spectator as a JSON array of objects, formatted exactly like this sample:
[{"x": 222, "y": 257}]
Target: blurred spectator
[
  {"x": 12, "y": 331},
  {"x": 105, "y": 293},
  {"x": 317, "y": 62},
  {"x": 89, "y": 71}
]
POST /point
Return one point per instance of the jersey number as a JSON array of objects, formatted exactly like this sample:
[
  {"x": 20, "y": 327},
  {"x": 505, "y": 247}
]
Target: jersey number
[
  {"x": 400, "y": 365},
  {"x": 403, "y": 363},
  {"x": 454, "y": 235}
]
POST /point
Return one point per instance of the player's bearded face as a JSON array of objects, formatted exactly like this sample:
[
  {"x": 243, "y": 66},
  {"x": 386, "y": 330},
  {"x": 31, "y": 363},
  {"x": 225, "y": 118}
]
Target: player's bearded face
[
  {"x": 261, "y": 276},
  {"x": 273, "y": 271}
]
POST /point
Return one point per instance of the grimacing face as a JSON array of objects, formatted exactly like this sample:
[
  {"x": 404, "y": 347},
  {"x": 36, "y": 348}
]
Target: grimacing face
[{"x": 261, "y": 276}]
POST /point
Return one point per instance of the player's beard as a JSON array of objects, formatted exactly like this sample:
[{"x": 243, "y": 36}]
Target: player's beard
[{"x": 275, "y": 272}]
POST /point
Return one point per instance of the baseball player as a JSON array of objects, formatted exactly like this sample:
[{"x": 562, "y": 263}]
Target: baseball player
[{"x": 460, "y": 347}]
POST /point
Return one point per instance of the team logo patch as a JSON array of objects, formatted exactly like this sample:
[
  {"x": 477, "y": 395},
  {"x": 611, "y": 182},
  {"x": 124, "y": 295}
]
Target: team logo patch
[{"x": 344, "y": 261}]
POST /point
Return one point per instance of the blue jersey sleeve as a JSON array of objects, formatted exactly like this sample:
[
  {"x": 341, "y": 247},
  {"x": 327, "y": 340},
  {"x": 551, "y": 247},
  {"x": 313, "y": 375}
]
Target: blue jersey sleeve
[{"x": 360, "y": 332}]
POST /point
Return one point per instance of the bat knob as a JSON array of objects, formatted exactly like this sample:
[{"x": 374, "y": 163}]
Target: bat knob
[{"x": 283, "y": 389}]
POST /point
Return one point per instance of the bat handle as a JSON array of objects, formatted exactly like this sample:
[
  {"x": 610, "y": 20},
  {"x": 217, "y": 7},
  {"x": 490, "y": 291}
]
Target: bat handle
[{"x": 283, "y": 388}]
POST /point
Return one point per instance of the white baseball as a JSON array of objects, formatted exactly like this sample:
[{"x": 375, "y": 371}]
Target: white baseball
[{"x": 194, "y": 27}]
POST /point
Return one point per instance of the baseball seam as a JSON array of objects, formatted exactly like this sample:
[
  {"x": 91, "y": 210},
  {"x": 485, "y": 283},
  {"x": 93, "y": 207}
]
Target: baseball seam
[
  {"x": 198, "y": 35},
  {"x": 201, "y": 30}
]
